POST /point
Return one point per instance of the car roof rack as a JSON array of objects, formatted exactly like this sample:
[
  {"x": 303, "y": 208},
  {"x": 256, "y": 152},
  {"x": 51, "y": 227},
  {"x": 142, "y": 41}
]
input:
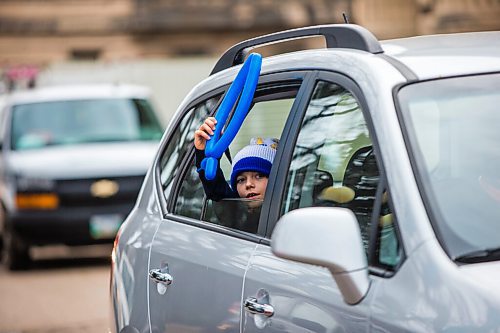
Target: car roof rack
[{"x": 349, "y": 36}]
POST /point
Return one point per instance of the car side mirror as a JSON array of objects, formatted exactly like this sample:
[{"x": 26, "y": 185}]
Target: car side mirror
[{"x": 328, "y": 237}]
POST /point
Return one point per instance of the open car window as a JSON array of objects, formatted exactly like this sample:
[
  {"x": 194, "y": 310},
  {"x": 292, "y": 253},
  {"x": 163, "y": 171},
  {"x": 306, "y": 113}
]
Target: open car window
[{"x": 267, "y": 117}]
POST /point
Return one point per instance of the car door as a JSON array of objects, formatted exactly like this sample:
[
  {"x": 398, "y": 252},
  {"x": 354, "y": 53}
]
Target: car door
[
  {"x": 197, "y": 263},
  {"x": 331, "y": 162},
  {"x": 192, "y": 254}
]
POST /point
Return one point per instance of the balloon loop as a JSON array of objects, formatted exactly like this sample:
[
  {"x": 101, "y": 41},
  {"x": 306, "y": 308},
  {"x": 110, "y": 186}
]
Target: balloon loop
[{"x": 244, "y": 84}]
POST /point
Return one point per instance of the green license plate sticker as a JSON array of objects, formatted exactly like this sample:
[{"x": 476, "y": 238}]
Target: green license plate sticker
[{"x": 105, "y": 226}]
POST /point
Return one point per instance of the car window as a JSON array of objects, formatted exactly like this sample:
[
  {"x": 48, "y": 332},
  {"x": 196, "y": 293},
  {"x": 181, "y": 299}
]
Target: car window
[
  {"x": 181, "y": 142},
  {"x": 387, "y": 250},
  {"x": 334, "y": 165},
  {"x": 37, "y": 125},
  {"x": 266, "y": 118},
  {"x": 451, "y": 126},
  {"x": 190, "y": 199}
]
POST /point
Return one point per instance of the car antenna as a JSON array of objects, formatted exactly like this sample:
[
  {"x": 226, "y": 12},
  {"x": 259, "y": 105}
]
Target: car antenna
[{"x": 346, "y": 19}]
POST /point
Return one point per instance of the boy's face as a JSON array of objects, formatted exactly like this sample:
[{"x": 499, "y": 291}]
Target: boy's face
[{"x": 251, "y": 185}]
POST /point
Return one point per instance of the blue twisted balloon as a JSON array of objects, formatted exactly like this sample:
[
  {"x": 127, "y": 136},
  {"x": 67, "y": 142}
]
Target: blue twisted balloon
[{"x": 245, "y": 83}]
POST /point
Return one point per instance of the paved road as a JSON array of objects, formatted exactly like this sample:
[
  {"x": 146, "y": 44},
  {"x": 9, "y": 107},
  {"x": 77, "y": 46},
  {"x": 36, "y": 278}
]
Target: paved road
[{"x": 65, "y": 290}]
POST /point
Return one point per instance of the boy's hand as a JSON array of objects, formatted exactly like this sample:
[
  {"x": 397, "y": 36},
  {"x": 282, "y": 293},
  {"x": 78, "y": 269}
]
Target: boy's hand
[{"x": 202, "y": 134}]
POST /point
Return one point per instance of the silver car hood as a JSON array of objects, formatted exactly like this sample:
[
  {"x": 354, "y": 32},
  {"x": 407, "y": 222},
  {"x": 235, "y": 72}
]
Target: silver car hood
[
  {"x": 484, "y": 275},
  {"x": 84, "y": 160}
]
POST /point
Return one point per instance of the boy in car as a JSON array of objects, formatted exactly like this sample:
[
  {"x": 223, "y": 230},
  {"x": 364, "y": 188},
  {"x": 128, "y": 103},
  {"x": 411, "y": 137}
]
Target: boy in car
[{"x": 250, "y": 168}]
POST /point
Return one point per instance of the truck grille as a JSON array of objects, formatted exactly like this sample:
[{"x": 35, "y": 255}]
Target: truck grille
[{"x": 74, "y": 193}]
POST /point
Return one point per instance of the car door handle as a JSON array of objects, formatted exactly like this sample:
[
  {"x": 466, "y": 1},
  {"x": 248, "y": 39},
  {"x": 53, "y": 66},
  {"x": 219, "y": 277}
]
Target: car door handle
[
  {"x": 253, "y": 306},
  {"x": 160, "y": 277}
]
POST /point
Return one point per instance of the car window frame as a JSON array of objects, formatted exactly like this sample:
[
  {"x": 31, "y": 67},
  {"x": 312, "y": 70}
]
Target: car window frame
[
  {"x": 167, "y": 205},
  {"x": 374, "y": 265},
  {"x": 268, "y": 91},
  {"x": 7, "y": 127},
  {"x": 284, "y": 157},
  {"x": 3, "y": 126}
]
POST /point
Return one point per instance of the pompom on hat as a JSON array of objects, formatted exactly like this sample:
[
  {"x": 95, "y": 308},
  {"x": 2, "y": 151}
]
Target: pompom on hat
[{"x": 258, "y": 156}]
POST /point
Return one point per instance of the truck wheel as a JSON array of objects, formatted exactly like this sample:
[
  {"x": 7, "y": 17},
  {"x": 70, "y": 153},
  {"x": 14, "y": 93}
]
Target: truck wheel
[{"x": 15, "y": 251}]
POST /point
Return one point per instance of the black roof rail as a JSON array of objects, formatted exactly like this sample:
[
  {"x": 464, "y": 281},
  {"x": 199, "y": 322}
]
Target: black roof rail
[{"x": 350, "y": 36}]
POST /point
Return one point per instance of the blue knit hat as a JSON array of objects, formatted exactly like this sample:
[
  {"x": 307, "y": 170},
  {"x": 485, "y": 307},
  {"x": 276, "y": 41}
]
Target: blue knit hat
[{"x": 258, "y": 156}]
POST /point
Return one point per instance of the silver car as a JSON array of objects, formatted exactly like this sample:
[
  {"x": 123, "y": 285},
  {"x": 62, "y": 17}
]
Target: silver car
[{"x": 382, "y": 208}]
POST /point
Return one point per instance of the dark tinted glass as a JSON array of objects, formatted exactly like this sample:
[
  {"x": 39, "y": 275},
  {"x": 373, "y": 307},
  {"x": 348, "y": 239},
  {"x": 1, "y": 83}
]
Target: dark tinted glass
[{"x": 181, "y": 142}]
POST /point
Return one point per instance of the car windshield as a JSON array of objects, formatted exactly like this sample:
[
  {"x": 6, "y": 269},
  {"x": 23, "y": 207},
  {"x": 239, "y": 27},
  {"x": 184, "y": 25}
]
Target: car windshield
[
  {"x": 453, "y": 132},
  {"x": 68, "y": 122}
]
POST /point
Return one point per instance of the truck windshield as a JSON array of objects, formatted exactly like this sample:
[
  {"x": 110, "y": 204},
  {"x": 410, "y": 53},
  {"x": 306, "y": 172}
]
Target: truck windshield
[
  {"x": 453, "y": 133},
  {"x": 38, "y": 125}
]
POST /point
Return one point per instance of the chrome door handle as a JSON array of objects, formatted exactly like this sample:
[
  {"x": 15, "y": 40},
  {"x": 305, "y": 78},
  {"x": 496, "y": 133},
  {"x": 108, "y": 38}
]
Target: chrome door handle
[
  {"x": 254, "y": 307},
  {"x": 160, "y": 277}
]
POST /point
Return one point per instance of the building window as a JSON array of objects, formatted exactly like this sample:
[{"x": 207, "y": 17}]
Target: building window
[{"x": 85, "y": 54}]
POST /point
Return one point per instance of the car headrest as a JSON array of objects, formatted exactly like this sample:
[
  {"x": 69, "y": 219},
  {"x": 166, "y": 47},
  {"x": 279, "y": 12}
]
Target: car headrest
[{"x": 342, "y": 194}]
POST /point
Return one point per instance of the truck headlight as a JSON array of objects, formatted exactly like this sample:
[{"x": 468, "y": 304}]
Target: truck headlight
[{"x": 24, "y": 184}]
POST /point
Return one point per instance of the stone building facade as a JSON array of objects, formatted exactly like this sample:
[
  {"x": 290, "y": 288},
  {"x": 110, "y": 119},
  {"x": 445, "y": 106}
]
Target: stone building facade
[{"x": 40, "y": 32}]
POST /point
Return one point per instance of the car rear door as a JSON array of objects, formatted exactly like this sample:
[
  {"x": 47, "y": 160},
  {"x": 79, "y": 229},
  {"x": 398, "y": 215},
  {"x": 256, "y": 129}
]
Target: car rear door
[
  {"x": 207, "y": 269},
  {"x": 206, "y": 264},
  {"x": 197, "y": 265},
  {"x": 330, "y": 161}
]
